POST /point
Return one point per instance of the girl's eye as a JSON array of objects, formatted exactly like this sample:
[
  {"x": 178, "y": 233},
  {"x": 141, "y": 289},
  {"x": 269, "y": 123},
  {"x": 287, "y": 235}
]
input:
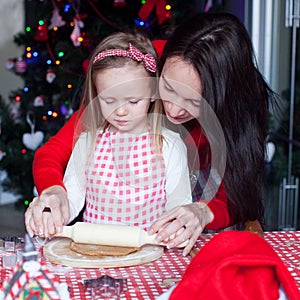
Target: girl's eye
[
  {"x": 107, "y": 100},
  {"x": 195, "y": 103},
  {"x": 135, "y": 101}
]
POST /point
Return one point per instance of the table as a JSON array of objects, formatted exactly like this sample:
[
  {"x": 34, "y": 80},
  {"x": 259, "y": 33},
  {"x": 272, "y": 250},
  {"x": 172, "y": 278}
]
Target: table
[{"x": 151, "y": 280}]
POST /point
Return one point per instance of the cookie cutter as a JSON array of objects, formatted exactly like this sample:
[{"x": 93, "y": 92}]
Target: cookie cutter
[
  {"x": 10, "y": 244},
  {"x": 106, "y": 286}
]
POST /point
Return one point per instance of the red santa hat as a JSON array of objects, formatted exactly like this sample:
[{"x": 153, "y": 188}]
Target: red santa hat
[{"x": 236, "y": 265}]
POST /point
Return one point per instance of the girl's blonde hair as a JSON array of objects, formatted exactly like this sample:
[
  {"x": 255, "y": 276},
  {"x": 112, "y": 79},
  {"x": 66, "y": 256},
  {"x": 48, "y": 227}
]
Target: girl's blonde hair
[{"x": 91, "y": 118}]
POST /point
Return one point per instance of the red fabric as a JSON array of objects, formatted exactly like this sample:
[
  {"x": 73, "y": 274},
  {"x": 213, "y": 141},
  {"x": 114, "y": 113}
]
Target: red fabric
[
  {"x": 219, "y": 204},
  {"x": 159, "y": 46},
  {"x": 236, "y": 265}
]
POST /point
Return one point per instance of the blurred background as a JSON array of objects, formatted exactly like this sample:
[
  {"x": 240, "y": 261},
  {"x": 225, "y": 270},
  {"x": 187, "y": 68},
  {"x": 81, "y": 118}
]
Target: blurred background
[{"x": 45, "y": 46}]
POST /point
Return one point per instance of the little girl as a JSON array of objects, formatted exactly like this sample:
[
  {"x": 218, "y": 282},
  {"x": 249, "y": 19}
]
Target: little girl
[{"x": 125, "y": 167}]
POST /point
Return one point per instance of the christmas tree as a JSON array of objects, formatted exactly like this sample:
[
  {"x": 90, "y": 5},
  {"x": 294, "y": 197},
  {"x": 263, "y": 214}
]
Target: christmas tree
[{"x": 58, "y": 38}]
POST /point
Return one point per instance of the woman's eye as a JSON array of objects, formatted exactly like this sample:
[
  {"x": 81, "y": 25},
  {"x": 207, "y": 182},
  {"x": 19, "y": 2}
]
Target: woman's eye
[{"x": 169, "y": 89}]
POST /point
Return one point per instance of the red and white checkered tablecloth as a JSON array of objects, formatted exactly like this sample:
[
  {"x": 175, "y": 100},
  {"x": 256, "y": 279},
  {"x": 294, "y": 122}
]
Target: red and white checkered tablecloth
[{"x": 148, "y": 281}]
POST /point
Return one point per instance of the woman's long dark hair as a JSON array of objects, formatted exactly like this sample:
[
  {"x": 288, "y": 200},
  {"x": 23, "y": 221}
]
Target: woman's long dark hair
[{"x": 219, "y": 47}]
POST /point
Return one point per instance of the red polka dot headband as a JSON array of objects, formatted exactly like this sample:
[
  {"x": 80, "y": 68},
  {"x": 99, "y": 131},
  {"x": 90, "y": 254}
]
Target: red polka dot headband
[{"x": 133, "y": 53}]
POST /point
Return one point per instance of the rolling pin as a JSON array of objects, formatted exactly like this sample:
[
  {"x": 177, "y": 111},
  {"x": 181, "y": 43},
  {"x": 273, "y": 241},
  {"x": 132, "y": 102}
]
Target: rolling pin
[{"x": 109, "y": 235}]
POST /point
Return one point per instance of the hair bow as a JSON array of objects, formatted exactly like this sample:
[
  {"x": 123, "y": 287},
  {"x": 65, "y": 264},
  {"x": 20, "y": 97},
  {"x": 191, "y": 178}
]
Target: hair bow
[
  {"x": 148, "y": 59},
  {"x": 133, "y": 53}
]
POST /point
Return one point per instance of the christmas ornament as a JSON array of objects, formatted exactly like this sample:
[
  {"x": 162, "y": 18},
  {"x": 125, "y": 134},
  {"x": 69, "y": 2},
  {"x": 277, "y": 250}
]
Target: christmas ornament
[
  {"x": 208, "y": 6},
  {"x": 119, "y": 3},
  {"x": 34, "y": 139},
  {"x": 85, "y": 65},
  {"x": 10, "y": 64},
  {"x": 270, "y": 151},
  {"x": 32, "y": 280},
  {"x": 50, "y": 76},
  {"x": 38, "y": 101},
  {"x": 42, "y": 33},
  {"x": 160, "y": 9},
  {"x": 15, "y": 113},
  {"x": 56, "y": 20},
  {"x": 159, "y": 46},
  {"x": 76, "y": 31},
  {"x": 20, "y": 66}
]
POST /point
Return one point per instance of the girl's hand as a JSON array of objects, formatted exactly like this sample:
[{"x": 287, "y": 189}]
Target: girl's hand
[
  {"x": 182, "y": 223},
  {"x": 47, "y": 213}
]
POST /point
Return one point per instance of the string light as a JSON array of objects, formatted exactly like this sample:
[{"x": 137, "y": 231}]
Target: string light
[
  {"x": 18, "y": 98},
  {"x": 28, "y": 55},
  {"x": 69, "y": 86},
  {"x": 23, "y": 151},
  {"x": 26, "y": 202},
  {"x": 49, "y": 112},
  {"x": 67, "y": 7},
  {"x": 44, "y": 118},
  {"x": 28, "y": 29},
  {"x": 57, "y": 62},
  {"x": 80, "y": 39},
  {"x": 54, "y": 114},
  {"x": 49, "y": 62},
  {"x": 60, "y": 54},
  {"x": 168, "y": 7},
  {"x": 26, "y": 89},
  {"x": 55, "y": 28},
  {"x": 35, "y": 54},
  {"x": 28, "y": 48},
  {"x": 41, "y": 22}
]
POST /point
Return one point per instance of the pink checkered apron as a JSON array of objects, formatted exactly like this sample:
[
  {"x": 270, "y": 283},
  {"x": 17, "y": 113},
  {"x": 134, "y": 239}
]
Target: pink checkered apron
[{"x": 125, "y": 181}]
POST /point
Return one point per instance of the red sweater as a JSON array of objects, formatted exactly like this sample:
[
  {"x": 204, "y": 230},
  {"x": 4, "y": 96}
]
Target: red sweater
[{"x": 51, "y": 159}]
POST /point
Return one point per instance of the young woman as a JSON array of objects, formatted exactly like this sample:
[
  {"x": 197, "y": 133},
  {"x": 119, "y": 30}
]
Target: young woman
[{"x": 207, "y": 65}]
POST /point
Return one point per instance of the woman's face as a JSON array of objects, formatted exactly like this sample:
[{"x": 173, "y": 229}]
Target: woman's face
[{"x": 180, "y": 90}]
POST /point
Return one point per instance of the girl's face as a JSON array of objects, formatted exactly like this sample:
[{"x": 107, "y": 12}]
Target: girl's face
[
  {"x": 125, "y": 95},
  {"x": 180, "y": 90}
]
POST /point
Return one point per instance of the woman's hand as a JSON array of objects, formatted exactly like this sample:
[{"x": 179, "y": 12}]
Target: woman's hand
[
  {"x": 182, "y": 223},
  {"x": 47, "y": 213}
]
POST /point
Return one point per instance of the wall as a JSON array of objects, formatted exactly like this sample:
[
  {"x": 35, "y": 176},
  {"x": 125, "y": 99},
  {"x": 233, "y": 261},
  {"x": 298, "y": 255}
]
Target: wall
[{"x": 11, "y": 22}]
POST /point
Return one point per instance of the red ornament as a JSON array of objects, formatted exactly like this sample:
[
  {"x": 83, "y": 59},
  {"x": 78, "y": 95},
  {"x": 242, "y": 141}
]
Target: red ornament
[
  {"x": 160, "y": 9},
  {"x": 119, "y": 3},
  {"x": 42, "y": 33},
  {"x": 85, "y": 65},
  {"x": 159, "y": 46}
]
